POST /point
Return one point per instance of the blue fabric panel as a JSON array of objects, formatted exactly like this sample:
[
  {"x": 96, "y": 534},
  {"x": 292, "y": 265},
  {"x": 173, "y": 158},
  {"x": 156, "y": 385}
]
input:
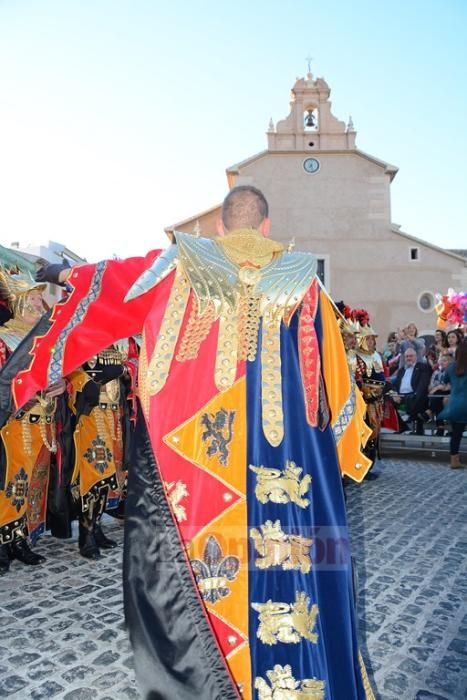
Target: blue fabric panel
[{"x": 334, "y": 658}]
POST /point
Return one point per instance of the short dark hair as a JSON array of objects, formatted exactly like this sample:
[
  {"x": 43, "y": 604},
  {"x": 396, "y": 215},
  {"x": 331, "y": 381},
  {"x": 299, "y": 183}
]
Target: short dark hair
[{"x": 244, "y": 207}]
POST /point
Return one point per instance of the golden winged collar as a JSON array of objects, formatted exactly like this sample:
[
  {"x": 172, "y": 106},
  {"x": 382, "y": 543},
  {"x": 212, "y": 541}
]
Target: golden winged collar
[{"x": 238, "y": 280}]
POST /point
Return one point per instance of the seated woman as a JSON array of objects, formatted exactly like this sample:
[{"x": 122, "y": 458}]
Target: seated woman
[
  {"x": 439, "y": 347},
  {"x": 454, "y": 337},
  {"x": 437, "y": 391}
]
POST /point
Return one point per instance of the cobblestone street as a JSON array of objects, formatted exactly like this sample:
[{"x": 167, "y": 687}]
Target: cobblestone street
[{"x": 62, "y": 633}]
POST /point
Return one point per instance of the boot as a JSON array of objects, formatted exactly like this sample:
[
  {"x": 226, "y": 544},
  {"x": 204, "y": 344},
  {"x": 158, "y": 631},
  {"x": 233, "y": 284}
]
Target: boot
[
  {"x": 87, "y": 543},
  {"x": 20, "y": 550},
  {"x": 456, "y": 462},
  {"x": 4, "y": 559},
  {"x": 102, "y": 541}
]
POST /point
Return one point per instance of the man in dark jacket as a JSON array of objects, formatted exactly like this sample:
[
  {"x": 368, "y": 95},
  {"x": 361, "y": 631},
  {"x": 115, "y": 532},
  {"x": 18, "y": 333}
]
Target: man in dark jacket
[{"x": 411, "y": 384}]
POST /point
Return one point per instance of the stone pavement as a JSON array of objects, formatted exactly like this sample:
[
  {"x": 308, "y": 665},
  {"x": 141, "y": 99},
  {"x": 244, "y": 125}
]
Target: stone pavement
[
  {"x": 61, "y": 625},
  {"x": 409, "y": 536}
]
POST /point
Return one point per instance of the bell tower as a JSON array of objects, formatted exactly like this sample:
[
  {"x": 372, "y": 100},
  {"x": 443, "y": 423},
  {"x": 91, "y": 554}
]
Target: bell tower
[{"x": 310, "y": 125}]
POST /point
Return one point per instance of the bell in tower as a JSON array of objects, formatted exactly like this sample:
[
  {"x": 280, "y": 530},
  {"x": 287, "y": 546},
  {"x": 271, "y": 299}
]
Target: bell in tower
[
  {"x": 310, "y": 115},
  {"x": 310, "y": 120}
]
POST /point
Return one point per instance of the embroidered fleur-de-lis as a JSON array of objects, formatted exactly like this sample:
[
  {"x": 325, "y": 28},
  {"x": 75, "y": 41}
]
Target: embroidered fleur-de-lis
[{"x": 214, "y": 571}]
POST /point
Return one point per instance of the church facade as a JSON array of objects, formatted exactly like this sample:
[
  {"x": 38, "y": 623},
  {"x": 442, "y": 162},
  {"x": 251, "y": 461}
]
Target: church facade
[{"x": 335, "y": 201}]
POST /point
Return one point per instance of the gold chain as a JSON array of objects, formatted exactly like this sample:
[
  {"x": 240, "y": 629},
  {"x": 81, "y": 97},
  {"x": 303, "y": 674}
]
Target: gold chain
[
  {"x": 51, "y": 446},
  {"x": 248, "y": 324},
  {"x": 197, "y": 330},
  {"x": 100, "y": 422},
  {"x": 26, "y": 435},
  {"x": 143, "y": 370}
]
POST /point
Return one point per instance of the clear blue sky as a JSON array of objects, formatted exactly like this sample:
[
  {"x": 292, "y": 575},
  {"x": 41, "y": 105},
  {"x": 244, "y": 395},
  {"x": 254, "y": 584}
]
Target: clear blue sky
[{"x": 118, "y": 117}]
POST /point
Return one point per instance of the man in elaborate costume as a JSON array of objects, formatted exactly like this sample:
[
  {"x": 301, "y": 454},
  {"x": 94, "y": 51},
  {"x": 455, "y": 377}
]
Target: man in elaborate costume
[
  {"x": 370, "y": 379},
  {"x": 101, "y": 401},
  {"x": 366, "y": 366},
  {"x": 28, "y": 438},
  {"x": 237, "y": 568},
  {"x": 98, "y": 397},
  {"x": 349, "y": 330}
]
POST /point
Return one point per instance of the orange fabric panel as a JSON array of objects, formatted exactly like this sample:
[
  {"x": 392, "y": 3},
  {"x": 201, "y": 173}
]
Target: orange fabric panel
[{"x": 353, "y": 462}]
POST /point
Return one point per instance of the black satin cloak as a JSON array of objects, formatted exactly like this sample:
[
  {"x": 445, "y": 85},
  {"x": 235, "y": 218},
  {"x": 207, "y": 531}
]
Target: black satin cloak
[{"x": 176, "y": 655}]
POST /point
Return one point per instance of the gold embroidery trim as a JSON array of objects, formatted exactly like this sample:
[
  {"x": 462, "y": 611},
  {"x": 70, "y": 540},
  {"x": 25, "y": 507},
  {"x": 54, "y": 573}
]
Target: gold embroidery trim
[
  {"x": 369, "y": 695},
  {"x": 227, "y": 347},
  {"x": 143, "y": 370},
  {"x": 164, "y": 350},
  {"x": 43, "y": 415},
  {"x": 196, "y": 331},
  {"x": 271, "y": 380},
  {"x": 248, "y": 324}
]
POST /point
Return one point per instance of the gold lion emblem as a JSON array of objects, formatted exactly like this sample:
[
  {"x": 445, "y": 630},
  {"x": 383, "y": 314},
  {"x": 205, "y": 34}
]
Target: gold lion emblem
[
  {"x": 287, "y": 623},
  {"x": 282, "y": 486},
  {"x": 278, "y": 549},
  {"x": 283, "y": 686}
]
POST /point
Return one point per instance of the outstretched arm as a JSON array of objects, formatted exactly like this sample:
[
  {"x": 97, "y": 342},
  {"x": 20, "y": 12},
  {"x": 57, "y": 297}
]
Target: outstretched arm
[{"x": 92, "y": 317}]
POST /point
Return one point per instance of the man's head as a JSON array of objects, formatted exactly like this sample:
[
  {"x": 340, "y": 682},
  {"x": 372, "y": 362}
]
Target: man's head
[
  {"x": 350, "y": 341},
  {"x": 244, "y": 207},
  {"x": 410, "y": 357},
  {"x": 371, "y": 343}
]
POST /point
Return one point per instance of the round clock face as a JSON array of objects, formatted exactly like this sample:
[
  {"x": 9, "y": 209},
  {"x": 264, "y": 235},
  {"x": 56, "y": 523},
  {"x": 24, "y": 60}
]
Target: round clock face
[{"x": 311, "y": 165}]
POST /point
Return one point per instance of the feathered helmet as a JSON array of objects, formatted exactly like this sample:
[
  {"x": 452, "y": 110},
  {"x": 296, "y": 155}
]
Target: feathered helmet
[
  {"x": 346, "y": 323},
  {"x": 14, "y": 289},
  {"x": 362, "y": 319},
  {"x": 452, "y": 310}
]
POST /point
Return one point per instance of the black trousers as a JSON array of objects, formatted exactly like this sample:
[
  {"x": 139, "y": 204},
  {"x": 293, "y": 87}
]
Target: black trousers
[{"x": 456, "y": 437}]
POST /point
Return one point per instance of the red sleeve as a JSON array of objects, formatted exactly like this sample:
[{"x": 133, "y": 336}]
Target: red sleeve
[{"x": 93, "y": 317}]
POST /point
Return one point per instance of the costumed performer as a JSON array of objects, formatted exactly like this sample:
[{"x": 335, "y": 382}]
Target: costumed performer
[{"x": 237, "y": 570}]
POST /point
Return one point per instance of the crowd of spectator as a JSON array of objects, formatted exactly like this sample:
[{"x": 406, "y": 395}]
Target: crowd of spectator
[{"x": 426, "y": 376}]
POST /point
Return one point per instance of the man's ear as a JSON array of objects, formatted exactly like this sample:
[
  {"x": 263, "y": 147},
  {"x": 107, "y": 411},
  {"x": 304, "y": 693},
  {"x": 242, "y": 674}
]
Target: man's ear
[
  {"x": 265, "y": 227},
  {"x": 220, "y": 227}
]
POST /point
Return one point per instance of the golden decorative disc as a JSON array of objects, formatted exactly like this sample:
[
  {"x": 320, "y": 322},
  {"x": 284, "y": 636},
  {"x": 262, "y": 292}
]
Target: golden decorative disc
[
  {"x": 249, "y": 246},
  {"x": 249, "y": 275}
]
